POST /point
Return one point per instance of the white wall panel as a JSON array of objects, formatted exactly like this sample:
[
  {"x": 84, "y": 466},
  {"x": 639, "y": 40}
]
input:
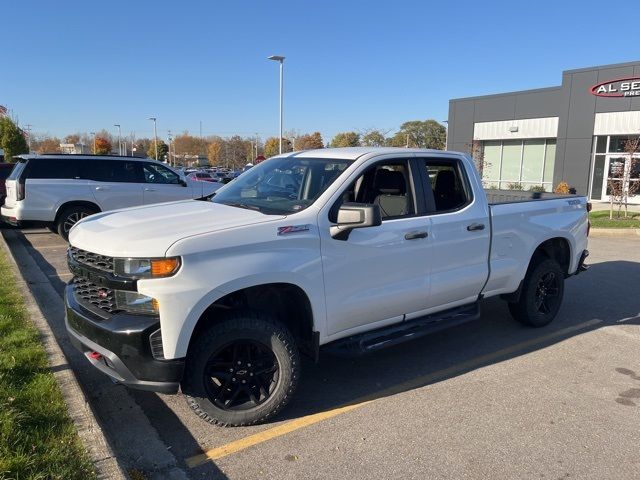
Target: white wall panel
[
  {"x": 617, "y": 123},
  {"x": 546, "y": 127}
]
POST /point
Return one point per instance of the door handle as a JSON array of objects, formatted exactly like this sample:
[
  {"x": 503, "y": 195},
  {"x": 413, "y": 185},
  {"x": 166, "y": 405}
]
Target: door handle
[
  {"x": 102, "y": 188},
  {"x": 149, "y": 189},
  {"x": 475, "y": 226},
  {"x": 415, "y": 235}
]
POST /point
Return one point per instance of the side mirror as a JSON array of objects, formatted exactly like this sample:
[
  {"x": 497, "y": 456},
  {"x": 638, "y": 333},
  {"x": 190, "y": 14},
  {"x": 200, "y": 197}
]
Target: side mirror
[
  {"x": 355, "y": 215},
  {"x": 183, "y": 182}
]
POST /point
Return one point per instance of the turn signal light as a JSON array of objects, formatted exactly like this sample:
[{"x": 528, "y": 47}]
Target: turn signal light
[{"x": 164, "y": 266}]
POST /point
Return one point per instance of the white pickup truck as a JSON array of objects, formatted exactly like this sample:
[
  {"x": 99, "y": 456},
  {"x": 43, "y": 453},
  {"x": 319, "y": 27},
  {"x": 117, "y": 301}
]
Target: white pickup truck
[{"x": 349, "y": 249}]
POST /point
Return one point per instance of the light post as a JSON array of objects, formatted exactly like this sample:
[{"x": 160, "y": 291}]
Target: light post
[
  {"x": 119, "y": 135},
  {"x": 94, "y": 141},
  {"x": 155, "y": 135},
  {"x": 170, "y": 138},
  {"x": 280, "y": 59}
]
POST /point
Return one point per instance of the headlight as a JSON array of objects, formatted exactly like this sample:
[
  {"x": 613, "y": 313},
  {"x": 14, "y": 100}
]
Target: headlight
[
  {"x": 134, "y": 302},
  {"x": 146, "y": 267}
]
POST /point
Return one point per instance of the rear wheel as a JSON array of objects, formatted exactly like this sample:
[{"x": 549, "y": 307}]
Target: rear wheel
[
  {"x": 69, "y": 217},
  {"x": 241, "y": 371},
  {"x": 541, "y": 295}
]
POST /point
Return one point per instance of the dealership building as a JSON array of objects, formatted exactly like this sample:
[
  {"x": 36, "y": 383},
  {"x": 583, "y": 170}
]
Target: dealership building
[{"x": 575, "y": 132}]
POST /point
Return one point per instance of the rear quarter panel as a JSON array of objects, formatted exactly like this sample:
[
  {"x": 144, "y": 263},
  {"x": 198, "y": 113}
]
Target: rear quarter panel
[
  {"x": 519, "y": 228},
  {"x": 44, "y": 197}
]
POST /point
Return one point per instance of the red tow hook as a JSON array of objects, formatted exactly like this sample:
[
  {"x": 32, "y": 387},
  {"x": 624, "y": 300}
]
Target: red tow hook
[{"x": 95, "y": 356}]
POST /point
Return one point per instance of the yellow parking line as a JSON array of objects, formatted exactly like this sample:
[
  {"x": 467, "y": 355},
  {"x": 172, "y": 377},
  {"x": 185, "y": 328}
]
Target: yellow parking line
[
  {"x": 274, "y": 432},
  {"x": 288, "y": 427}
]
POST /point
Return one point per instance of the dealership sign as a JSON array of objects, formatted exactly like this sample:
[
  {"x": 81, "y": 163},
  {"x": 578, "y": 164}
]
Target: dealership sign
[{"x": 623, "y": 87}]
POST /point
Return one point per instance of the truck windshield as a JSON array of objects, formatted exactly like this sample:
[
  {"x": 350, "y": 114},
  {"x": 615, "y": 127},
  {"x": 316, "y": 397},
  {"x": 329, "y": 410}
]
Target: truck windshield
[{"x": 281, "y": 186}]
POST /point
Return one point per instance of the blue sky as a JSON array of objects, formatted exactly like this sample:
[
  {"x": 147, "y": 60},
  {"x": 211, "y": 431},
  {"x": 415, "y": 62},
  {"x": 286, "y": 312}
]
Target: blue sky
[{"x": 82, "y": 66}]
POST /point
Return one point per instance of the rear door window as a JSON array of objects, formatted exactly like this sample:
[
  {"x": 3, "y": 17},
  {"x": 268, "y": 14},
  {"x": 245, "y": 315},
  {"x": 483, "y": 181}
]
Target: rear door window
[
  {"x": 113, "y": 171},
  {"x": 54, "y": 168}
]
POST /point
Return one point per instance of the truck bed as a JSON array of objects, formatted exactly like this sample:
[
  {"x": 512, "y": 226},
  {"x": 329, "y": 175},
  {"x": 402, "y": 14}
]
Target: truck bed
[{"x": 498, "y": 197}]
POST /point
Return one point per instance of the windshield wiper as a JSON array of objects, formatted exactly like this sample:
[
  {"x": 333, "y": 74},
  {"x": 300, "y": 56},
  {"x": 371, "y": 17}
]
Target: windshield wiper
[
  {"x": 245, "y": 205},
  {"x": 207, "y": 197}
]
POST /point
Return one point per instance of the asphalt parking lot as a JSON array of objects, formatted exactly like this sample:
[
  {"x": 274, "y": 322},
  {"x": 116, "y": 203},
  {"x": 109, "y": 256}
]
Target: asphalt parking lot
[{"x": 490, "y": 399}]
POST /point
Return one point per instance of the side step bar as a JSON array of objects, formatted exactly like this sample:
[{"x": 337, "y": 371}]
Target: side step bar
[{"x": 398, "y": 333}]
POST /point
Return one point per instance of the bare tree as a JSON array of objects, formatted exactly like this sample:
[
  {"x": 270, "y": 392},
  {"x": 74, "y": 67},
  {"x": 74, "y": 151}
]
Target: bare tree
[
  {"x": 477, "y": 153},
  {"x": 623, "y": 182}
]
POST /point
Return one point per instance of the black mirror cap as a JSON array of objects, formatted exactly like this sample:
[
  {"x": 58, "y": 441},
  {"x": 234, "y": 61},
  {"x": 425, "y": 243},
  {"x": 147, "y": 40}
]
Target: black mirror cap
[{"x": 355, "y": 215}]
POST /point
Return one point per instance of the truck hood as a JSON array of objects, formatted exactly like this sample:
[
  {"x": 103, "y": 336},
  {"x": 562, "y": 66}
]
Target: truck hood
[{"x": 149, "y": 231}]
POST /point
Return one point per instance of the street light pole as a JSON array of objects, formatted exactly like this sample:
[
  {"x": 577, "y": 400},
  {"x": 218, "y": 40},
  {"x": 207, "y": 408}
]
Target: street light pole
[
  {"x": 155, "y": 135},
  {"x": 94, "y": 141},
  {"x": 280, "y": 59},
  {"x": 119, "y": 135}
]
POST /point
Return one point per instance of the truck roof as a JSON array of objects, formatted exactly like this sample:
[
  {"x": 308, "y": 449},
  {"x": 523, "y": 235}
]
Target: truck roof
[{"x": 353, "y": 153}]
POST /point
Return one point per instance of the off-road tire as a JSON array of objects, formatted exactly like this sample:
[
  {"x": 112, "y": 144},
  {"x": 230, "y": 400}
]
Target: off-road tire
[
  {"x": 527, "y": 310},
  {"x": 241, "y": 326},
  {"x": 69, "y": 216}
]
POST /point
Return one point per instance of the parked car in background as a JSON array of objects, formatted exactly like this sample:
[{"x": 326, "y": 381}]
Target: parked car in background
[
  {"x": 59, "y": 190},
  {"x": 202, "y": 177},
  {"x": 353, "y": 249},
  {"x": 5, "y": 171}
]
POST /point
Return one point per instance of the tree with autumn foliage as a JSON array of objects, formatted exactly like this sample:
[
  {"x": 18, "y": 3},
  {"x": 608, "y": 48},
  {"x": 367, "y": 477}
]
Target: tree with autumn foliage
[
  {"x": 12, "y": 139},
  {"x": 309, "y": 141},
  {"x": 346, "y": 139},
  {"x": 102, "y": 146},
  {"x": 163, "y": 150},
  {"x": 45, "y": 144},
  {"x": 272, "y": 146}
]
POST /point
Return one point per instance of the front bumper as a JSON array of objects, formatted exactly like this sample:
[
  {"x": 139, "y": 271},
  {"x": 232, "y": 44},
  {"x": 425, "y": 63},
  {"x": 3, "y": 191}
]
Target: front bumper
[{"x": 119, "y": 346}]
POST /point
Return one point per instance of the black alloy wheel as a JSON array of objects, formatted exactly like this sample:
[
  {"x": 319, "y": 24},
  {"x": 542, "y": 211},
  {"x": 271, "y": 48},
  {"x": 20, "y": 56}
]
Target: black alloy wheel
[
  {"x": 541, "y": 294},
  {"x": 241, "y": 375},
  {"x": 240, "y": 370},
  {"x": 547, "y": 291}
]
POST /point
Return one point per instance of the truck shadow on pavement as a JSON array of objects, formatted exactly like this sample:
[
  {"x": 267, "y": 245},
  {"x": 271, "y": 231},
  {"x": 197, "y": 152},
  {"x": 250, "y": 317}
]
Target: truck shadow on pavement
[{"x": 605, "y": 295}]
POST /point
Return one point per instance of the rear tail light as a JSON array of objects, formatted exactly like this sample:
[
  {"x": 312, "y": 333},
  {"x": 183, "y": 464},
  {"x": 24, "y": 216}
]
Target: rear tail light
[{"x": 20, "y": 191}]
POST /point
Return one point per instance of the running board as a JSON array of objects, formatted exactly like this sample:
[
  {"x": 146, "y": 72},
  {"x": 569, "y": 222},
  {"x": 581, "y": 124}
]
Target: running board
[{"x": 403, "y": 332}]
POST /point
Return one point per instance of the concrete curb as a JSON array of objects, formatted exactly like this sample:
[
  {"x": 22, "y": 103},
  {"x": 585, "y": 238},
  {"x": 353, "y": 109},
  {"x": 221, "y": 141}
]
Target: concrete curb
[
  {"x": 89, "y": 430},
  {"x": 615, "y": 232}
]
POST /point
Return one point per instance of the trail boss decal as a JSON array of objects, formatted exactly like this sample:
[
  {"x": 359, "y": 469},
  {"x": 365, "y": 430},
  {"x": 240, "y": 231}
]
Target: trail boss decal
[{"x": 622, "y": 87}]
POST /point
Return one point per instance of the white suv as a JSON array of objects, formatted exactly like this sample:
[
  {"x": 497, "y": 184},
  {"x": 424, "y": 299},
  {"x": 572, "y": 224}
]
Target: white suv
[{"x": 59, "y": 190}]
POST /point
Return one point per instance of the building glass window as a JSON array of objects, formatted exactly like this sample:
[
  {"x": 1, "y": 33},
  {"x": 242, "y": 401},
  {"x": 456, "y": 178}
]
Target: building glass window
[
  {"x": 549, "y": 161},
  {"x": 519, "y": 164},
  {"x": 491, "y": 161}
]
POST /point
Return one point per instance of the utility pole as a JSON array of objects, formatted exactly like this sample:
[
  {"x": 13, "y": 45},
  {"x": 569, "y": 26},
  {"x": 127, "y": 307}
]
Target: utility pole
[
  {"x": 94, "y": 141},
  {"x": 407, "y": 140},
  {"x": 169, "y": 137},
  {"x": 155, "y": 135}
]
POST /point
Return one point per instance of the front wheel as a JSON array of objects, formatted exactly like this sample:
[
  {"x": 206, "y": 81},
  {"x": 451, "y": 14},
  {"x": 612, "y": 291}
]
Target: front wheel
[
  {"x": 241, "y": 371},
  {"x": 541, "y": 295}
]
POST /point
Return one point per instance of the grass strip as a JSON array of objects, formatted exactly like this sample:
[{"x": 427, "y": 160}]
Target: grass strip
[{"x": 38, "y": 440}]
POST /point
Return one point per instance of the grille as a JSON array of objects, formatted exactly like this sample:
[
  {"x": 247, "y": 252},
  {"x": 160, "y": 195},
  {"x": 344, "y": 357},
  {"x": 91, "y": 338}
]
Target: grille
[
  {"x": 101, "y": 262},
  {"x": 91, "y": 294}
]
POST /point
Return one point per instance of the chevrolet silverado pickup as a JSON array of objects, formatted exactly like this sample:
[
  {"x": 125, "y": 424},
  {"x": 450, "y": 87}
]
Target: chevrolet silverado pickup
[{"x": 351, "y": 250}]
